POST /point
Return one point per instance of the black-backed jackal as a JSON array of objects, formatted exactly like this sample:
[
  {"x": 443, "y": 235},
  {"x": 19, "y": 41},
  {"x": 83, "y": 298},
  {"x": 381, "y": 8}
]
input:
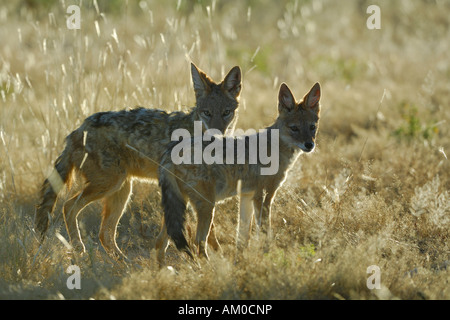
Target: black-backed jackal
[
  {"x": 111, "y": 148},
  {"x": 203, "y": 185}
]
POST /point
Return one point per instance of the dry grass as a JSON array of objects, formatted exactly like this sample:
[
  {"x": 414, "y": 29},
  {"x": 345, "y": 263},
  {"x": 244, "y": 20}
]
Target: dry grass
[{"x": 375, "y": 192}]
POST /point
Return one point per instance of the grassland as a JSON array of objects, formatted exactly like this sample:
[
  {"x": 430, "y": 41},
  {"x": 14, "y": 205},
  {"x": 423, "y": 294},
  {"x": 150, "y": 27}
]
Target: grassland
[{"x": 375, "y": 191}]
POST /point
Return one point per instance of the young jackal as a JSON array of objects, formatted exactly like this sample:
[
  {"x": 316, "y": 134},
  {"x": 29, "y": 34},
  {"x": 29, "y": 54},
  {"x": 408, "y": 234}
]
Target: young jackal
[
  {"x": 203, "y": 185},
  {"x": 111, "y": 148}
]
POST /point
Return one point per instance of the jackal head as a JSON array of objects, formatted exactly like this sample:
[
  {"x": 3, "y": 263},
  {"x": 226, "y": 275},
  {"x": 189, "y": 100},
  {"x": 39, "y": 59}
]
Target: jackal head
[
  {"x": 216, "y": 102},
  {"x": 299, "y": 121}
]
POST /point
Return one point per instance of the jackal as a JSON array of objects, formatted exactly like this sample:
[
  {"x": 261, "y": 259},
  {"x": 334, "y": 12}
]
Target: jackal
[
  {"x": 204, "y": 185},
  {"x": 111, "y": 148}
]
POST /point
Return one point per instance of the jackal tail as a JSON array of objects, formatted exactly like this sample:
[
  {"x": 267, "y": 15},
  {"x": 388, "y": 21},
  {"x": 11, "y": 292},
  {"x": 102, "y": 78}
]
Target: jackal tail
[
  {"x": 174, "y": 206},
  {"x": 50, "y": 189}
]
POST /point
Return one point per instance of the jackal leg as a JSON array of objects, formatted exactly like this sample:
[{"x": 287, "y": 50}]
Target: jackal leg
[
  {"x": 113, "y": 209},
  {"x": 245, "y": 220},
  {"x": 257, "y": 207},
  {"x": 205, "y": 214},
  {"x": 162, "y": 242},
  {"x": 262, "y": 207},
  {"x": 71, "y": 211},
  {"x": 212, "y": 239},
  {"x": 95, "y": 189}
]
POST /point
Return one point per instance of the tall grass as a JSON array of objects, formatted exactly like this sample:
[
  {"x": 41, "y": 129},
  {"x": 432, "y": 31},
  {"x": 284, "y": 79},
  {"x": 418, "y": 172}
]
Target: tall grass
[{"x": 375, "y": 191}]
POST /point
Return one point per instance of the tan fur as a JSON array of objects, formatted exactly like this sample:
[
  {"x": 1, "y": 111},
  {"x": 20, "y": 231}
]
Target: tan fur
[
  {"x": 111, "y": 148},
  {"x": 204, "y": 185}
]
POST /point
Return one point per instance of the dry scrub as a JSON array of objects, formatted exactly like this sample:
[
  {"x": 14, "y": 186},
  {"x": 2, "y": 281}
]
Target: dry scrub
[{"x": 375, "y": 191}]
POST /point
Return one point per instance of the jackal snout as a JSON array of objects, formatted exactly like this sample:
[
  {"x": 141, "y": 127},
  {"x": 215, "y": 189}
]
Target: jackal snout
[
  {"x": 309, "y": 146},
  {"x": 300, "y": 119}
]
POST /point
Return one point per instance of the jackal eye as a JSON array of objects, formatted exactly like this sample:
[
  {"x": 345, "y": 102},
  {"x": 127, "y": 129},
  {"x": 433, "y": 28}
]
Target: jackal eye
[
  {"x": 312, "y": 127},
  {"x": 207, "y": 113},
  {"x": 226, "y": 113},
  {"x": 293, "y": 128}
]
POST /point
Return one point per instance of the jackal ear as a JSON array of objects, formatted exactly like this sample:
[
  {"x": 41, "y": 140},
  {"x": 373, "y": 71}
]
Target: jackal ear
[
  {"x": 202, "y": 83},
  {"x": 286, "y": 100},
  {"x": 232, "y": 82},
  {"x": 311, "y": 99}
]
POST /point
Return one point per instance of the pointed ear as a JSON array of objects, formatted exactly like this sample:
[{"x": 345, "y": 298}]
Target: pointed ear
[
  {"x": 286, "y": 100},
  {"x": 232, "y": 82},
  {"x": 311, "y": 99},
  {"x": 202, "y": 83}
]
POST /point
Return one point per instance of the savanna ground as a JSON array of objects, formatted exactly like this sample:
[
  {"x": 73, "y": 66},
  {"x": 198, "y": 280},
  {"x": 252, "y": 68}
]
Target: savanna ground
[{"x": 374, "y": 193}]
